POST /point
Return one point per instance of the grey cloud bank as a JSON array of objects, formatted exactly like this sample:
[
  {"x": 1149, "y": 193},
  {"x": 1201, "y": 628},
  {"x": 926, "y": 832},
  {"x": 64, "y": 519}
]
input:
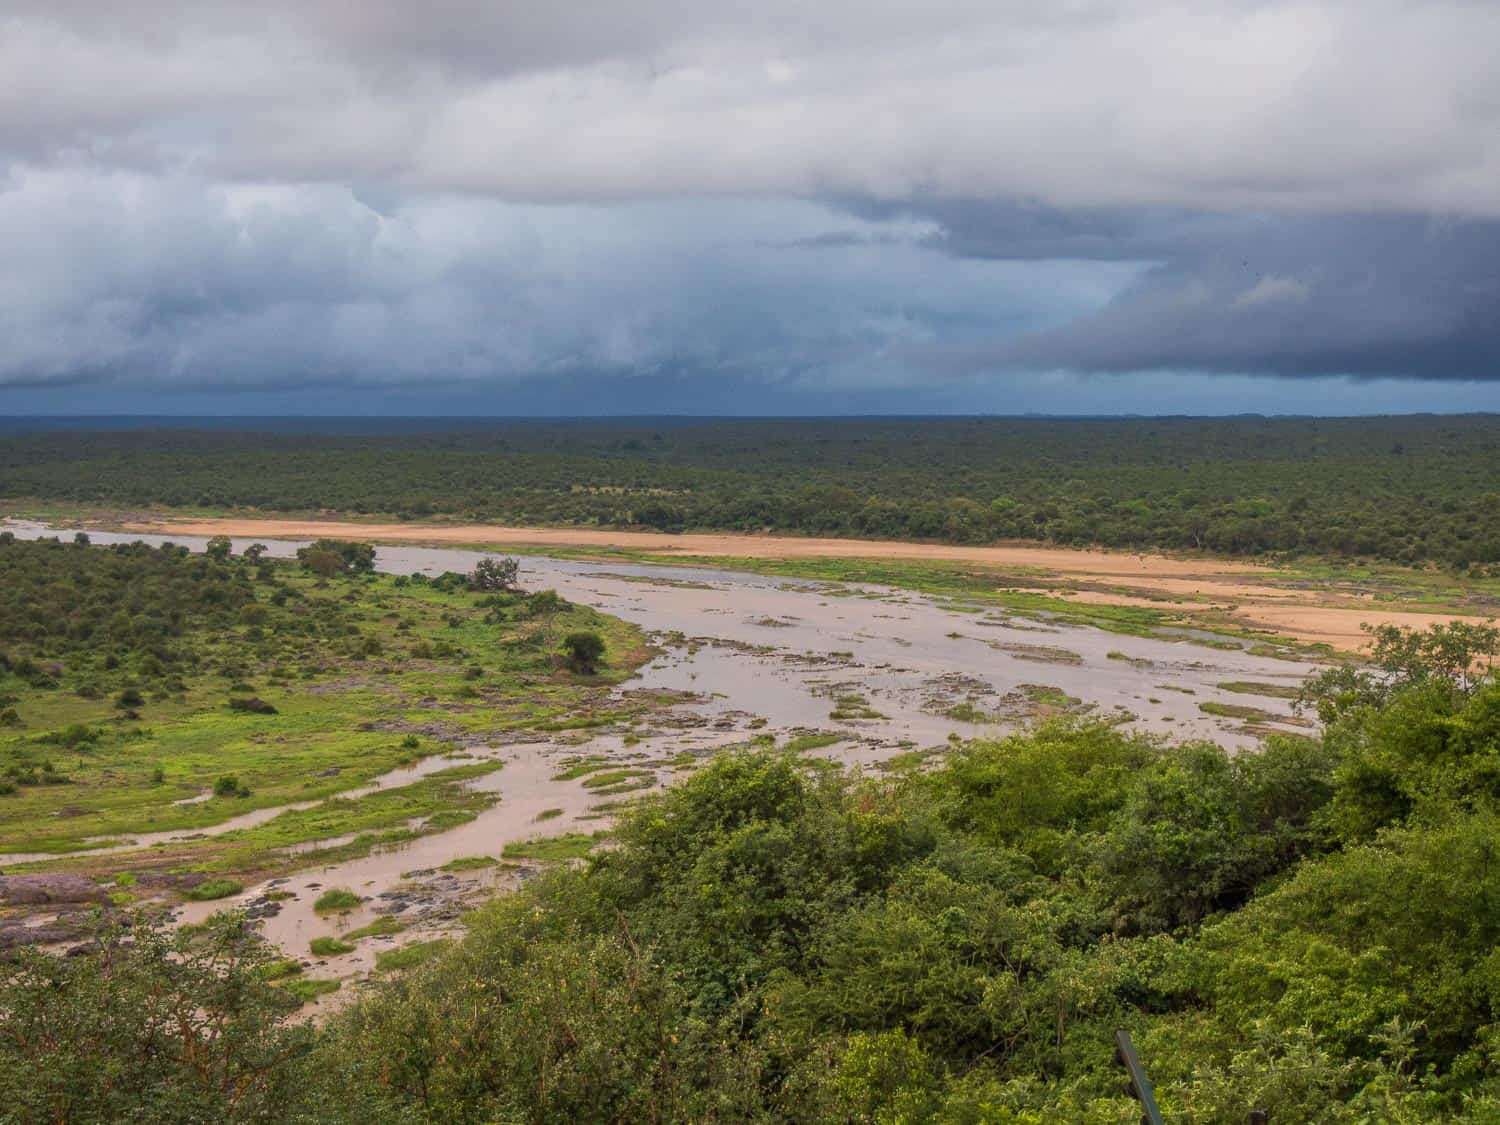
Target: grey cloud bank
[{"x": 892, "y": 203}]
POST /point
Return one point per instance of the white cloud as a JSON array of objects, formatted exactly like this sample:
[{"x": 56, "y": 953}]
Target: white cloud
[
  {"x": 1272, "y": 290},
  {"x": 1225, "y": 104}
]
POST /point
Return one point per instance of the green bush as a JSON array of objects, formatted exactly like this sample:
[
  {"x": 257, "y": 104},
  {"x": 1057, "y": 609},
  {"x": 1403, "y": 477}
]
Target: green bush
[
  {"x": 584, "y": 650},
  {"x": 211, "y": 889},
  {"x": 229, "y": 786},
  {"x": 336, "y": 899},
  {"x": 763, "y": 942}
]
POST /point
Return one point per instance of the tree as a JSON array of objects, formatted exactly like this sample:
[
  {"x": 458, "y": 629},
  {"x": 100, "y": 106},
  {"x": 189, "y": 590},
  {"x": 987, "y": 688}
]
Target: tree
[
  {"x": 544, "y": 603},
  {"x": 219, "y": 547},
  {"x": 1457, "y": 657},
  {"x": 358, "y": 558},
  {"x": 493, "y": 576},
  {"x": 325, "y": 564},
  {"x": 155, "y": 1027},
  {"x": 584, "y": 648}
]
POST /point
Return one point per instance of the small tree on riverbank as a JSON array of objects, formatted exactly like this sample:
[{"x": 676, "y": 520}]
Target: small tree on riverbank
[
  {"x": 495, "y": 576},
  {"x": 584, "y": 650}
]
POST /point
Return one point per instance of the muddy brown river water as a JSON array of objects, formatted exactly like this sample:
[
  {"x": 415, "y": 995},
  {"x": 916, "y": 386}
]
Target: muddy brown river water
[{"x": 759, "y": 656}]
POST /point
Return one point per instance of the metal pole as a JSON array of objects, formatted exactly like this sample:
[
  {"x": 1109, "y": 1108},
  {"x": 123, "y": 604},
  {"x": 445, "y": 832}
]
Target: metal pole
[{"x": 1140, "y": 1086}]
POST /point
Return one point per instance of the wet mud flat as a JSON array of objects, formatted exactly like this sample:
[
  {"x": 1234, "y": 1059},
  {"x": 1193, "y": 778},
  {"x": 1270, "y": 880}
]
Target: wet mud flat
[{"x": 851, "y": 674}]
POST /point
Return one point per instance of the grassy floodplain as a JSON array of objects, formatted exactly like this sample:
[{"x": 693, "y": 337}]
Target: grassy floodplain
[{"x": 275, "y": 687}]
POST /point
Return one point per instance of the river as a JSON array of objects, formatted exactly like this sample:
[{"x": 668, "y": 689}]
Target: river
[{"x": 760, "y": 656}]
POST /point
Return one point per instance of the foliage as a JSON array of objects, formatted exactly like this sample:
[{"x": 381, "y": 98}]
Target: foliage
[
  {"x": 211, "y": 889},
  {"x": 115, "y": 662},
  {"x": 230, "y": 786},
  {"x": 767, "y": 943},
  {"x": 584, "y": 650},
  {"x": 328, "y": 557},
  {"x": 336, "y": 899},
  {"x": 152, "y": 1028},
  {"x": 1411, "y": 490},
  {"x": 492, "y": 576},
  {"x": 1458, "y": 656}
]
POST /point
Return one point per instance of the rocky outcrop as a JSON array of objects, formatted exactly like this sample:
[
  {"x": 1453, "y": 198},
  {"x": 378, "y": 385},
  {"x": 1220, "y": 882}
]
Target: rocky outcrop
[{"x": 42, "y": 890}]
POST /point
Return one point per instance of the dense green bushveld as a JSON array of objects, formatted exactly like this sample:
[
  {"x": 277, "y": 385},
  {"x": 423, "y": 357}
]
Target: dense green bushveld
[
  {"x": 1405, "y": 489},
  {"x": 1311, "y": 930},
  {"x": 134, "y": 677}
]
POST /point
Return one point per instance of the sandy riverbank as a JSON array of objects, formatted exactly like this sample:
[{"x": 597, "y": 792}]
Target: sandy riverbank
[{"x": 1243, "y": 591}]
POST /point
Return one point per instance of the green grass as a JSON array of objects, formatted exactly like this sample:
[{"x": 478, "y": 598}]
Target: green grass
[
  {"x": 384, "y": 926},
  {"x": 329, "y": 947},
  {"x": 211, "y": 889},
  {"x": 853, "y": 706},
  {"x": 342, "y": 719},
  {"x": 1237, "y": 711},
  {"x": 816, "y": 740},
  {"x": 610, "y": 778},
  {"x": 407, "y": 956},
  {"x": 1270, "y": 691},
  {"x": 469, "y": 863},
  {"x": 307, "y": 989},
  {"x": 968, "y": 713},
  {"x": 548, "y": 814},
  {"x": 573, "y": 845},
  {"x": 279, "y": 969},
  {"x": 582, "y": 768},
  {"x": 1047, "y": 695},
  {"x": 336, "y": 899}
]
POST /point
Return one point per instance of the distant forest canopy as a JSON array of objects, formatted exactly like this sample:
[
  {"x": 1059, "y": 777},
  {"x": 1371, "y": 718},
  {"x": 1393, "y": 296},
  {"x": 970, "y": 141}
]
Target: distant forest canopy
[{"x": 1423, "y": 489}]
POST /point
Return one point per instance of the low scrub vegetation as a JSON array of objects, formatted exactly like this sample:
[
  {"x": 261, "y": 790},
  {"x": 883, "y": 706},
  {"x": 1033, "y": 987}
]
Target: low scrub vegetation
[
  {"x": 1308, "y": 930},
  {"x": 147, "y": 689}
]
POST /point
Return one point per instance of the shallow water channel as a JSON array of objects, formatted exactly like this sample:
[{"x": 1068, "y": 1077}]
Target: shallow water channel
[{"x": 760, "y": 656}]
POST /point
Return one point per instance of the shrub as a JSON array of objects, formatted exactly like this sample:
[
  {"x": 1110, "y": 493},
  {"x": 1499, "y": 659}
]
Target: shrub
[
  {"x": 583, "y": 648},
  {"x": 229, "y": 786},
  {"x": 211, "y": 889},
  {"x": 544, "y": 604},
  {"x": 336, "y": 899}
]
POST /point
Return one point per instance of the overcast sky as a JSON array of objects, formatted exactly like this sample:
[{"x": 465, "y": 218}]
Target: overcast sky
[{"x": 642, "y": 206}]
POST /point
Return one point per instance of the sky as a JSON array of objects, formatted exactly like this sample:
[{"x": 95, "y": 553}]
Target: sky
[{"x": 503, "y": 207}]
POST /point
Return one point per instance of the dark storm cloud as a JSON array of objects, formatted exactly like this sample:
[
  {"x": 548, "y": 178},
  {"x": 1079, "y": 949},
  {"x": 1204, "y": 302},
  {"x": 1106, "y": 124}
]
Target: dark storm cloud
[
  {"x": 1375, "y": 295},
  {"x": 324, "y": 193},
  {"x": 179, "y": 284}
]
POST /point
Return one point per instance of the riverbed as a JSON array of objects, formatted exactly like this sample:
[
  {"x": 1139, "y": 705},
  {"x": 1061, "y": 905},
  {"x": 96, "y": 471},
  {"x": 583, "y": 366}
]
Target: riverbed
[{"x": 886, "y": 671}]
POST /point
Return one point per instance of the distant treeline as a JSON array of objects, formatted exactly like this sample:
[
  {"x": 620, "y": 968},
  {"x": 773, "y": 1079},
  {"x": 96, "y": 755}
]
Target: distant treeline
[{"x": 1412, "y": 489}]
